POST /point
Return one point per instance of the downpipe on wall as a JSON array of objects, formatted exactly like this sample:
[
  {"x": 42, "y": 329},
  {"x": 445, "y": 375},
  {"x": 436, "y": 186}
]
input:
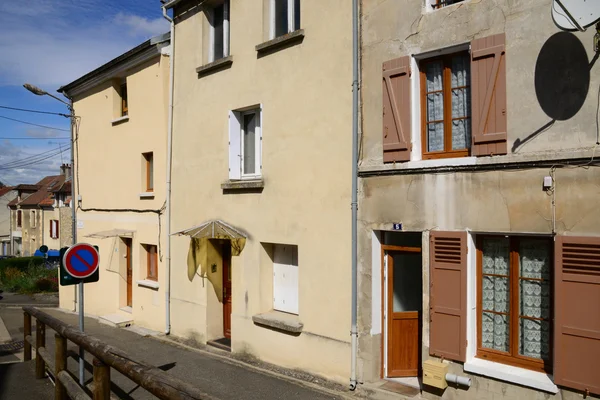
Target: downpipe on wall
[
  {"x": 168, "y": 188},
  {"x": 354, "y": 328}
]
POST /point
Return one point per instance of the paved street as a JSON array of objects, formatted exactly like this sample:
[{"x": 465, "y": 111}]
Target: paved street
[{"x": 218, "y": 377}]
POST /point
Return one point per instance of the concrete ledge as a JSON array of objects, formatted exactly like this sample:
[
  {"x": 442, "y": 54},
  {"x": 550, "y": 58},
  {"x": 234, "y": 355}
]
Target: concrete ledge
[
  {"x": 221, "y": 63},
  {"x": 279, "y": 320},
  {"x": 148, "y": 283},
  {"x": 281, "y": 41},
  {"x": 243, "y": 185},
  {"x": 147, "y": 195},
  {"x": 119, "y": 120}
]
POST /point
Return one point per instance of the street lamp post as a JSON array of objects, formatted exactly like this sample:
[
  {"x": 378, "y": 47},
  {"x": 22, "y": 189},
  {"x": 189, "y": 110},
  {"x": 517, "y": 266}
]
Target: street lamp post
[{"x": 40, "y": 92}]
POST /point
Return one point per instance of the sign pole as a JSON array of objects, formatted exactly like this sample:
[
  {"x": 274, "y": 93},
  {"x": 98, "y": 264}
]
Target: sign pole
[{"x": 81, "y": 352}]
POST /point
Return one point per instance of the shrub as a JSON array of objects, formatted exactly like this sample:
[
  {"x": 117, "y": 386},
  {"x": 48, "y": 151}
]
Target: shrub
[
  {"x": 31, "y": 278},
  {"x": 45, "y": 285},
  {"x": 21, "y": 263}
]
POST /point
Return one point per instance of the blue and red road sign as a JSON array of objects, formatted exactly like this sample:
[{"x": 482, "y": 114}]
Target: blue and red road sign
[{"x": 81, "y": 260}]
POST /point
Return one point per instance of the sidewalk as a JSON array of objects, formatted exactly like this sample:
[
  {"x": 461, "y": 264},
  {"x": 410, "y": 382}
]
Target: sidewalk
[{"x": 216, "y": 375}]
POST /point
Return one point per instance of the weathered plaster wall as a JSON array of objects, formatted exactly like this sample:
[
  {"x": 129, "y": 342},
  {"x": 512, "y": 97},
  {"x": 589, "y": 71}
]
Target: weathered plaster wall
[
  {"x": 510, "y": 201},
  {"x": 65, "y": 215}
]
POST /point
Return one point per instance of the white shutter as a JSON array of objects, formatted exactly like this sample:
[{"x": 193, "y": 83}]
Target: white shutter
[
  {"x": 54, "y": 229},
  {"x": 285, "y": 278},
  {"x": 235, "y": 143},
  {"x": 260, "y": 141}
]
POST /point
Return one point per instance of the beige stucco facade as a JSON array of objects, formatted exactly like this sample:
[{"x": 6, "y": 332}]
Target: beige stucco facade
[
  {"x": 115, "y": 207},
  {"x": 478, "y": 195},
  {"x": 301, "y": 198}
]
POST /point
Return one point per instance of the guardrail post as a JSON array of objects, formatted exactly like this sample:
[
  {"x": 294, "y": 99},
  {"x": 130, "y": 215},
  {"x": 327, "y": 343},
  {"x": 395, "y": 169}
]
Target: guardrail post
[
  {"x": 101, "y": 380},
  {"x": 26, "y": 332},
  {"x": 60, "y": 361},
  {"x": 40, "y": 341}
]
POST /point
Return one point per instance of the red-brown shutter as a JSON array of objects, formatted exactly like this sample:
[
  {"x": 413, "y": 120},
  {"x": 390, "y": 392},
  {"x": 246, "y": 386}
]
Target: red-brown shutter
[
  {"x": 396, "y": 110},
  {"x": 488, "y": 95},
  {"x": 57, "y": 230},
  {"x": 448, "y": 295},
  {"x": 577, "y": 313}
]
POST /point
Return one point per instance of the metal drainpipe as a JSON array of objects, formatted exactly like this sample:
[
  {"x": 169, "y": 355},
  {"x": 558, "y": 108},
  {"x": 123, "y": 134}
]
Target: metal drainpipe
[
  {"x": 354, "y": 329},
  {"x": 169, "y": 161}
]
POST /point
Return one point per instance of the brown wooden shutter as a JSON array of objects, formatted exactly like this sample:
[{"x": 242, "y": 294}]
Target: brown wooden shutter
[
  {"x": 448, "y": 295},
  {"x": 396, "y": 110},
  {"x": 57, "y": 229},
  {"x": 577, "y": 313},
  {"x": 488, "y": 95}
]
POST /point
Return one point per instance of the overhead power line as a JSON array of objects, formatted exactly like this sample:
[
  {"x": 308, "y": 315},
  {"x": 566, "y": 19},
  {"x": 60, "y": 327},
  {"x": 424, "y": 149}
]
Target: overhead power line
[
  {"x": 31, "y": 123},
  {"x": 24, "y": 162},
  {"x": 35, "y": 111},
  {"x": 35, "y": 138}
]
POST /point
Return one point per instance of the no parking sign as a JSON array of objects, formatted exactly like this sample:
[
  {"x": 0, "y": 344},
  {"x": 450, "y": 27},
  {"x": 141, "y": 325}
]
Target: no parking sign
[{"x": 79, "y": 264}]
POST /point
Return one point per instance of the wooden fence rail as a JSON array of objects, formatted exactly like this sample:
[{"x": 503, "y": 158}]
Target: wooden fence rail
[{"x": 154, "y": 380}]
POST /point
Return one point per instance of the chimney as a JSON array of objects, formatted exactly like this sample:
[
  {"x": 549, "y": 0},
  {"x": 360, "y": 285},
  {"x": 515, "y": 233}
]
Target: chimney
[{"x": 65, "y": 170}]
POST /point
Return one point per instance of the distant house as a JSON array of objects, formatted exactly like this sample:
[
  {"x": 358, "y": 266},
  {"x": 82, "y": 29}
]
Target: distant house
[
  {"x": 7, "y": 194},
  {"x": 40, "y": 214}
]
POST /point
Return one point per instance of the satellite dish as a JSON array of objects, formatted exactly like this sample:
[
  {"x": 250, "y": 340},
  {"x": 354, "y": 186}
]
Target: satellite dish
[{"x": 575, "y": 15}]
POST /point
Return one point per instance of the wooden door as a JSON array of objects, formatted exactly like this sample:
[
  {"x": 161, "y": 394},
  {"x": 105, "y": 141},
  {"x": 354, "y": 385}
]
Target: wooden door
[
  {"x": 226, "y": 289},
  {"x": 129, "y": 272},
  {"x": 404, "y": 305}
]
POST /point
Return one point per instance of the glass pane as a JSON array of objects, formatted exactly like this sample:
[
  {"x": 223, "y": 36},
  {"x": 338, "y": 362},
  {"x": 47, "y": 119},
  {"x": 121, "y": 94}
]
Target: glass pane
[
  {"x": 435, "y": 107},
  {"x": 461, "y": 134},
  {"x": 534, "y": 259},
  {"x": 281, "y": 17},
  {"x": 434, "y": 71},
  {"x": 534, "y": 339},
  {"x": 495, "y": 253},
  {"x": 534, "y": 299},
  {"x": 218, "y": 13},
  {"x": 460, "y": 70},
  {"x": 494, "y": 332},
  {"x": 407, "y": 282},
  {"x": 296, "y": 14},
  {"x": 435, "y": 137},
  {"x": 249, "y": 143},
  {"x": 495, "y": 294},
  {"x": 150, "y": 171},
  {"x": 461, "y": 102}
]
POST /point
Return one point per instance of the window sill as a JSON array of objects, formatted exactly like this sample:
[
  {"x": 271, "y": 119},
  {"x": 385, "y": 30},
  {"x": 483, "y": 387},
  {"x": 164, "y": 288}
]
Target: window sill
[
  {"x": 508, "y": 373},
  {"x": 120, "y": 120},
  {"x": 147, "y": 195},
  {"x": 148, "y": 283},
  {"x": 214, "y": 66},
  {"x": 281, "y": 41},
  {"x": 255, "y": 184},
  {"x": 280, "y": 321}
]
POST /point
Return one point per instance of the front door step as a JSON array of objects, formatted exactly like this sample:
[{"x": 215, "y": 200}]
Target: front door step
[
  {"x": 116, "y": 320},
  {"x": 223, "y": 344}
]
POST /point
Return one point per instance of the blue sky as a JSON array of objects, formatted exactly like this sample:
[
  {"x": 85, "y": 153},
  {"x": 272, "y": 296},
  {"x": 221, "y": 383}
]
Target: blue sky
[{"x": 50, "y": 43}]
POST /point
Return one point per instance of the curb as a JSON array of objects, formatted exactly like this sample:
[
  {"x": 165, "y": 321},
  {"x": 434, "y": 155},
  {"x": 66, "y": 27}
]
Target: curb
[
  {"x": 28, "y": 305},
  {"x": 264, "y": 371}
]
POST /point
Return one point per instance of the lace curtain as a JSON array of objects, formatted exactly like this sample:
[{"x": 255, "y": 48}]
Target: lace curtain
[
  {"x": 461, "y": 103},
  {"x": 534, "y": 299},
  {"x": 495, "y": 294}
]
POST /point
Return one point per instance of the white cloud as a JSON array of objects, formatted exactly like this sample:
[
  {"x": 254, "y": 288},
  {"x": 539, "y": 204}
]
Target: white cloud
[{"x": 141, "y": 26}]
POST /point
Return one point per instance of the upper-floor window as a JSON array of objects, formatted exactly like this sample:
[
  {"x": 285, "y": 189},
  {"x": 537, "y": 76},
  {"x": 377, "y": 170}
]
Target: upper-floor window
[
  {"x": 435, "y": 4},
  {"x": 446, "y": 91},
  {"x": 245, "y": 147},
  {"x": 149, "y": 171},
  {"x": 54, "y": 229},
  {"x": 19, "y": 219},
  {"x": 124, "y": 102},
  {"x": 285, "y": 17},
  {"x": 32, "y": 219},
  {"x": 219, "y": 31}
]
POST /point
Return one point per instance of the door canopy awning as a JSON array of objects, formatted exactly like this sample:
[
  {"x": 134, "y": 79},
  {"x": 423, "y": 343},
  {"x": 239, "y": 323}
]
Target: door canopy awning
[{"x": 217, "y": 229}]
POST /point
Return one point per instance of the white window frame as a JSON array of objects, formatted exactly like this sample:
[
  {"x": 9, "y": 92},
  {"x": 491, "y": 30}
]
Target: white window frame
[
  {"x": 291, "y": 17},
  {"x": 236, "y": 143},
  {"x": 54, "y": 229},
  {"x": 211, "y": 17},
  {"x": 285, "y": 278}
]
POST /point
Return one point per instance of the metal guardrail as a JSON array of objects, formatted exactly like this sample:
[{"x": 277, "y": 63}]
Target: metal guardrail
[{"x": 154, "y": 380}]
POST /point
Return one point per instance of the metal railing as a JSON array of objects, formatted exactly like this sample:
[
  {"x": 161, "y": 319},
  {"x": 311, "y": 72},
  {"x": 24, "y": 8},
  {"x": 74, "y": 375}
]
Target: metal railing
[{"x": 154, "y": 380}]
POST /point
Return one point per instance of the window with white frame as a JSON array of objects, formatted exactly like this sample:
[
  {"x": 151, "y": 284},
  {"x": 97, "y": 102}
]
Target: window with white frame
[
  {"x": 435, "y": 4},
  {"x": 285, "y": 17},
  {"x": 285, "y": 278},
  {"x": 54, "y": 229},
  {"x": 219, "y": 31},
  {"x": 245, "y": 144}
]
